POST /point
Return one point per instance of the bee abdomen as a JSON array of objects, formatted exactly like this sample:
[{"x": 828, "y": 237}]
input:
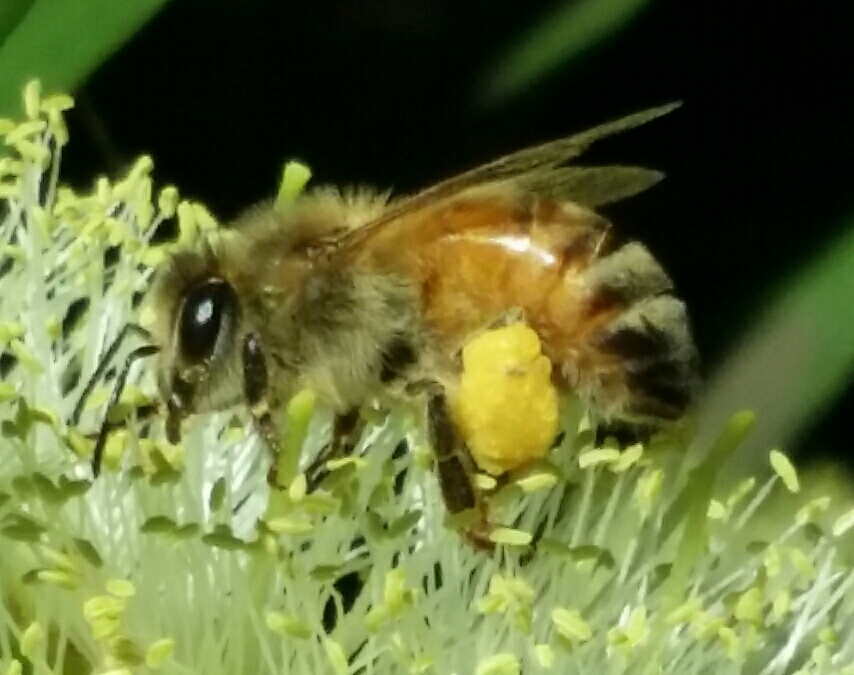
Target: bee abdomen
[
  {"x": 653, "y": 352},
  {"x": 630, "y": 273},
  {"x": 636, "y": 361}
]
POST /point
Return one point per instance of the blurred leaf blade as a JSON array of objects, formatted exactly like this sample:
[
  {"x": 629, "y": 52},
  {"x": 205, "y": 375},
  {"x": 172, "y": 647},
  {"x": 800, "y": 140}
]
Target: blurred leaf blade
[
  {"x": 11, "y": 14},
  {"x": 62, "y": 41},
  {"x": 797, "y": 359},
  {"x": 571, "y": 29}
]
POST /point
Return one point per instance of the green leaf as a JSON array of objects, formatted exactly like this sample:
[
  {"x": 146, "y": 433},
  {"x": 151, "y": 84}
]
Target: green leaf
[
  {"x": 11, "y": 13},
  {"x": 61, "y": 41},
  {"x": 573, "y": 28},
  {"x": 796, "y": 360}
]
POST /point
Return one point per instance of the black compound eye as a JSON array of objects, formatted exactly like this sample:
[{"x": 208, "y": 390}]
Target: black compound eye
[{"x": 206, "y": 309}]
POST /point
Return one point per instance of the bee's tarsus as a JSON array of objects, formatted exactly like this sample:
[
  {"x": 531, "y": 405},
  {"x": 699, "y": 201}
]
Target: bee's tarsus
[
  {"x": 346, "y": 430},
  {"x": 173, "y": 423},
  {"x": 255, "y": 376}
]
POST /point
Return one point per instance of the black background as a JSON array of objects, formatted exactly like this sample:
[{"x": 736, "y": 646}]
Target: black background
[{"x": 758, "y": 159}]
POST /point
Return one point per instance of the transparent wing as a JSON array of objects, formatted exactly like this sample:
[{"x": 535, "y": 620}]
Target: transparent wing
[
  {"x": 537, "y": 169},
  {"x": 589, "y": 186}
]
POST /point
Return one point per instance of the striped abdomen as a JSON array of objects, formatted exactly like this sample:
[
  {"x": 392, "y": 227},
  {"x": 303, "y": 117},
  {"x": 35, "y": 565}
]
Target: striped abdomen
[{"x": 606, "y": 314}]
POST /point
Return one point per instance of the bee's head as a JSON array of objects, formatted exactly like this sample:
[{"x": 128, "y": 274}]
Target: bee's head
[{"x": 198, "y": 314}]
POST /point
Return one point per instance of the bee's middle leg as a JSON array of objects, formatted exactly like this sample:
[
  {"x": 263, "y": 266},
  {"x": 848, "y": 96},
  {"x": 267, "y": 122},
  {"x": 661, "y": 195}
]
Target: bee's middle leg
[
  {"x": 346, "y": 430},
  {"x": 255, "y": 389}
]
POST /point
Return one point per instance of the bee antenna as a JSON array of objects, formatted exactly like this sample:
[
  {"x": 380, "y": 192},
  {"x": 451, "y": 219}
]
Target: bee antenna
[
  {"x": 133, "y": 357},
  {"x": 106, "y": 360}
]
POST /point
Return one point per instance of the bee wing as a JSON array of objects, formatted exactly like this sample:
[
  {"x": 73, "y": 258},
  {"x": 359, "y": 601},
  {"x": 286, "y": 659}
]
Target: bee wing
[
  {"x": 536, "y": 169},
  {"x": 589, "y": 186}
]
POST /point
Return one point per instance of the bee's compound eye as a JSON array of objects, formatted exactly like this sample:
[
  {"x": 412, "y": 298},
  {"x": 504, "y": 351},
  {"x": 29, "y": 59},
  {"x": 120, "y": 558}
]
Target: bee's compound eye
[{"x": 206, "y": 310}]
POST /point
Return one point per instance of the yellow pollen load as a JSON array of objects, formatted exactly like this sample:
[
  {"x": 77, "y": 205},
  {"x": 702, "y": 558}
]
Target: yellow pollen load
[{"x": 507, "y": 407}]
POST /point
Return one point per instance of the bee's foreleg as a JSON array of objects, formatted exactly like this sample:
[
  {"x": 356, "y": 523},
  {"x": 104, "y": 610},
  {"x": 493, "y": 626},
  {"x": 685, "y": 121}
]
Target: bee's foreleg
[
  {"x": 255, "y": 389},
  {"x": 346, "y": 430}
]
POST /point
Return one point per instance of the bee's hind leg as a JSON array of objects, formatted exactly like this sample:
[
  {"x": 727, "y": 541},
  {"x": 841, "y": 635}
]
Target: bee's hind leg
[
  {"x": 455, "y": 468},
  {"x": 506, "y": 318},
  {"x": 255, "y": 389}
]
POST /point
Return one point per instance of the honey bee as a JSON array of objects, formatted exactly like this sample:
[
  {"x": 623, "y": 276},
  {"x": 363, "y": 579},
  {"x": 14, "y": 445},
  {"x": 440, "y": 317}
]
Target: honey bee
[{"x": 358, "y": 297}]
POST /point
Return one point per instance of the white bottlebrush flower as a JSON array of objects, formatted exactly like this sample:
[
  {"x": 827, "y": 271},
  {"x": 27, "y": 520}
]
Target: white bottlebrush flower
[{"x": 174, "y": 560}]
